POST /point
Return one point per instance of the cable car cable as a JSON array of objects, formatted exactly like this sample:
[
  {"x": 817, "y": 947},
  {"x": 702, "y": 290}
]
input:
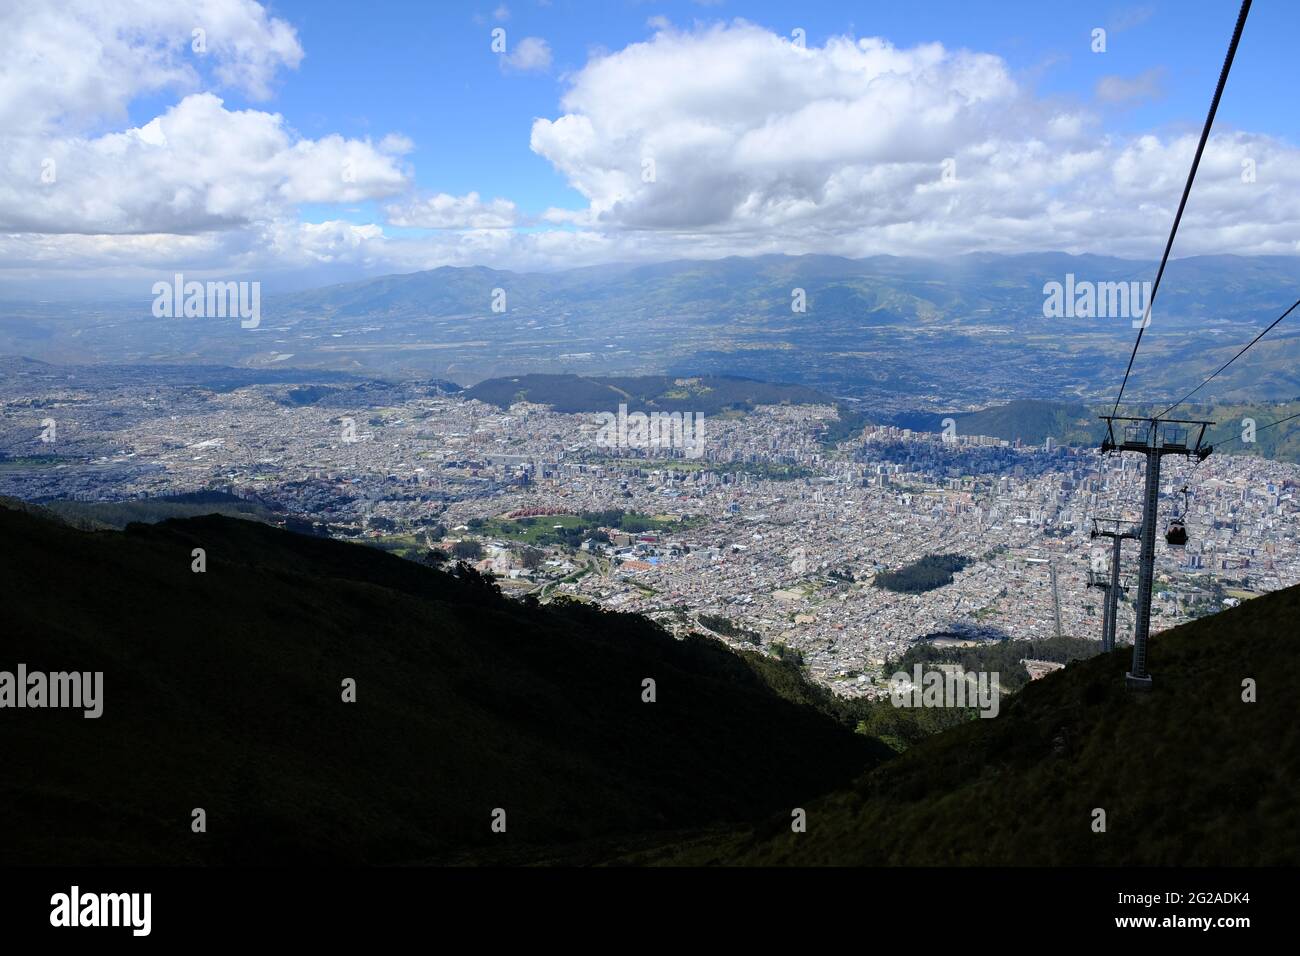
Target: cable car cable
[
  {"x": 1229, "y": 441},
  {"x": 1294, "y": 305},
  {"x": 1187, "y": 188}
]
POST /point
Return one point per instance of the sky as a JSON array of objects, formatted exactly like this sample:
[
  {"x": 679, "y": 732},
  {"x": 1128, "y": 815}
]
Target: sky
[{"x": 311, "y": 141}]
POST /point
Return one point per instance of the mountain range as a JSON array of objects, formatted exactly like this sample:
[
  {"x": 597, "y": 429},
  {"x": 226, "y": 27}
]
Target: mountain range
[{"x": 897, "y": 332}]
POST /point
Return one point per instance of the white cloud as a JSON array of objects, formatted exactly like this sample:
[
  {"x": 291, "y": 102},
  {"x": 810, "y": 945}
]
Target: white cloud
[
  {"x": 301, "y": 243},
  {"x": 759, "y": 145},
  {"x": 453, "y": 212},
  {"x": 745, "y": 127},
  {"x": 77, "y": 62},
  {"x": 261, "y": 249},
  {"x": 198, "y": 166}
]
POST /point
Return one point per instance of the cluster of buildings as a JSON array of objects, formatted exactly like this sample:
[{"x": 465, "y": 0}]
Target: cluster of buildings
[{"x": 764, "y": 528}]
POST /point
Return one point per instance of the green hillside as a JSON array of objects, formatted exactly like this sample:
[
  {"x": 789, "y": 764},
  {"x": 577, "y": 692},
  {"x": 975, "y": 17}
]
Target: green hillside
[
  {"x": 1280, "y": 442},
  {"x": 1033, "y": 422},
  {"x": 1028, "y": 420},
  {"x": 223, "y": 691},
  {"x": 1188, "y": 774}
]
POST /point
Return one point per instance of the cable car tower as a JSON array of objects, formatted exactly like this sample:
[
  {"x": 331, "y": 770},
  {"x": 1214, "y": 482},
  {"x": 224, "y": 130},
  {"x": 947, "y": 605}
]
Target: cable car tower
[
  {"x": 1154, "y": 438},
  {"x": 1114, "y": 529},
  {"x": 1056, "y": 596}
]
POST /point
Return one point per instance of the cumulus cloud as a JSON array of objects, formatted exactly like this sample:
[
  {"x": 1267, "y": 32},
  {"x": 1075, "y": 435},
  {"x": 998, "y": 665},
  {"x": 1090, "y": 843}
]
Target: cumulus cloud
[
  {"x": 68, "y": 71},
  {"x": 723, "y": 139},
  {"x": 77, "y": 62},
  {"x": 741, "y": 127},
  {"x": 453, "y": 212},
  {"x": 198, "y": 166},
  {"x": 334, "y": 241},
  {"x": 199, "y": 184},
  {"x": 860, "y": 147}
]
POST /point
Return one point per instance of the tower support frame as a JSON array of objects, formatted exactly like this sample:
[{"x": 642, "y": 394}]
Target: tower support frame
[{"x": 1154, "y": 438}]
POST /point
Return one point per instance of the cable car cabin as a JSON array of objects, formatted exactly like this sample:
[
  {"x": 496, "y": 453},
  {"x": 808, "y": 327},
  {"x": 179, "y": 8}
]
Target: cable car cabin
[{"x": 1176, "y": 533}]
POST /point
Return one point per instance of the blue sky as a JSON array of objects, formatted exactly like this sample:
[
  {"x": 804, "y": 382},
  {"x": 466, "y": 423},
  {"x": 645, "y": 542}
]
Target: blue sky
[
  {"x": 931, "y": 127},
  {"x": 426, "y": 69}
]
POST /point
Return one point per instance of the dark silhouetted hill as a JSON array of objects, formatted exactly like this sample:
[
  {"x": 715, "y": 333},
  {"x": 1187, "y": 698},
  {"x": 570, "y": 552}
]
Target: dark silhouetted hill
[
  {"x": 100, "y": 515},
  {"x": 222, "y": 691}
]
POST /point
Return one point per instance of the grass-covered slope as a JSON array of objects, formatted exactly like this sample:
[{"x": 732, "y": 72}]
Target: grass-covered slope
[
  {"x": 223, "y": 691},
  {"x": 1187, "y": 775},
  {"x": 1028, "y": 420}
]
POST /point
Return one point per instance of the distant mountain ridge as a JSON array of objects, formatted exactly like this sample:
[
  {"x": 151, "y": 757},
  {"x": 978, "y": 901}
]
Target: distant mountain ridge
[
  {"x": 904, "y": 287},
  {"x": 960, "y": 331}
]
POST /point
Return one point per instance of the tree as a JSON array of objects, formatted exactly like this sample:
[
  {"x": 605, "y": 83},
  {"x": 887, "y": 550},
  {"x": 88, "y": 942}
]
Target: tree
[
  {"x": 467, "y": 550},
  {"x": 787, "y": 653},
  {"x": 485, "y": 584},
  {"x": 435, "y": 557}
]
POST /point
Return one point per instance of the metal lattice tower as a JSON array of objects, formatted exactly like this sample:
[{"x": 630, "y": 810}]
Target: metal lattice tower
[
  {"x": 1154, "y": 438},
  {"x": 1056, "y": 597},
  {"x": 1101, "y": 580},
  {"x": 1112, "y": 587}
]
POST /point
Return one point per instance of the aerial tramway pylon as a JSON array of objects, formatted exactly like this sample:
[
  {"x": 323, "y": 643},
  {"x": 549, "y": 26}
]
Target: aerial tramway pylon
[
  {"x": 1154, "y": 438},
  {"x": 1110, "y": 585}
]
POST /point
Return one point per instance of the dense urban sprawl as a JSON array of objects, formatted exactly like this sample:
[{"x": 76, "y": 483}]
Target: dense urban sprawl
[{"x": 762, "y": 534}]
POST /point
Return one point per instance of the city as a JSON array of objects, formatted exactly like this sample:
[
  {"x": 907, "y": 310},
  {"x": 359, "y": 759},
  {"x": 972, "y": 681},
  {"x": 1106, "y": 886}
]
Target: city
[
  {"x": 447, "y": 443},
  {"x": 769, "y": 538}
]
